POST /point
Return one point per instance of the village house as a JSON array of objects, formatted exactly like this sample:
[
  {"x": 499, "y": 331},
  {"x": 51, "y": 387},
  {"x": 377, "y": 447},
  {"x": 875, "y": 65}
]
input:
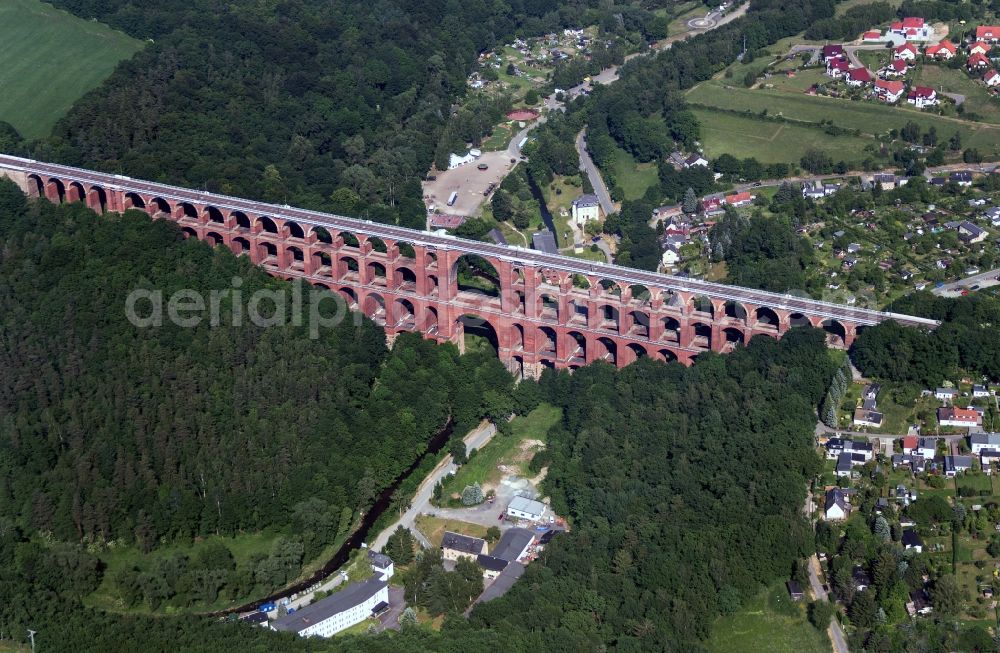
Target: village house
[
  {"x": 455, "y": 546},
  {"x": 739, "y": 199},
  {"x": 889, "y": 91},
  {"x": 838, "y": 68},
  {"x": 381, "y": 565},
  {"x": 909, "y": 444},
  {"x": 945, "y": 394},
  {"x": 585, "y": 209},
  {"x": 926, "y": 448},
  {"x": 987, "y": 458},
  {"x": 911, "y": 28},
  {"x": 343, "y": 609},
  {"x": 911, "y": 540},
  {"x": 861, "y": 578},
  {"x": 980, "y": 391},
  {"x": 491, "y": 566},
  {"x": 525, "y": 508},
  {"x": 837, "y": 505},
  {"x": 991, "y": 78},
  {"x": 989, "y": 33},
  {"x": 906, "y": 52},
  {"x": 978, "y": 442},
  {"x": 886, "y": 180},
  {"x": 872, "y": 36},
  {"x": 858, "y": 77},
  {"x": 959, "y": 417},
  {"x": 794, "y": 590},
  {"x": 955, "y": 465},
  {"x": 980, "y": 47},
  {"x": 993, "y": 215},
  {"x": 970, "y": 233},
  {"x": 942, "y": 51},
  {"x": 977, "y": 61},
  {"x": 695, "y": 160},
  {"x": 922, "y": 96},
  {"x": 832, "y": 52},
  {"x": 961, "y": 177},
  {"x": 868, "y": 417},
  {"x": 837, "y": 446},
  {"x": 895, "y": 68}
]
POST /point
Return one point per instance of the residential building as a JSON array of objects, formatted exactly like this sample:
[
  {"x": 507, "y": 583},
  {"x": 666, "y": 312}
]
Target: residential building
[
  {"x": 886, "y": 180},
  {"x": 961, "y": 177},
  {"x": 341, "y": 610},
  {"x": 958, "y": 417},
  {"x": 455, "y": 546},
  {"x": 794, "y": 590},
  {"x": 513, "y": 544},
  {"x": 738, "y": 199},
  {"x": 381, "y": 565},
  {"x": 926, "y": 448},
  {"x": 695, "y": 160},
  {"x": 491, "y": 566},
  {"x": 846, "y": 462},
  {"x": 858, "y": 77},
  {"x": 945, "y": 394},
  {"x": 955, "y": 465},
  {"x": 524, "y": 508},
  {"x": 585, "y": 208},
  {"x": 889, "y": 91},
  {"x": 993, "y": 215},
  {"x": 837, "y": 506},
  {"x": 838, "y": 68},
  {"x": 867, "y": 417},
  {"x": 922, "y": 96},
  {"x": 818, "y": 190},
  {"x": 944, "y": 50},
  {"x": 980, "y": 47},
  {"x": 911, "y": 540},
  {"x": 991, "y": 78},
  {"x": 909, "y": 444},
  {"x": 837, "y": 446},
  {"x": 833, "y": 52},
  {"x": 871, "y": 391},
  {"x": 988, "y": 33},
  {"x": 987, "y": 458},
  {"x": 970, "y": 233},
  {"x": 872, "y": 36},
  {"x": 861, "y": 578},
  {"x": 980, "y": 391},
  {"x": 895, "y": 68},
  {"x": 913, "y": 461},
  {"x": 906, "y": 52},
  {"x": 977, "y": 61},
  {"x": 980, "y": 441},
  {"x": 911, "y": 28}
]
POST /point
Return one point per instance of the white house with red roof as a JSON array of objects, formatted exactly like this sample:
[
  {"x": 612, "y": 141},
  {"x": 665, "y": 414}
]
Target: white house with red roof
[
  {"x": 977, "y": 61},
  {"x": 895, "y": 68},
  {"x": 991, "y": 78},
  {"x": 833, "y": 51},
  {"x": 907, "y": 52},
  {"x": 858, "y": 77},
  {"x": 911, "y": 28},
  {"x": 980, "y": 47},
  {"x": 922, "y": 96},
  {"x": 838, "y": 68},
  {"x": 990, "y": 33},
  {"x": 942, "y": 51},
  {"x": 872, "y": 36},
  {"x": 889, "y": 91},
  {"x": 739, "y": 199}
]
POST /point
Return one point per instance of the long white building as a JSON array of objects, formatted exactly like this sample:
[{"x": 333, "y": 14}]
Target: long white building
[{"x": 327, "y": 617}]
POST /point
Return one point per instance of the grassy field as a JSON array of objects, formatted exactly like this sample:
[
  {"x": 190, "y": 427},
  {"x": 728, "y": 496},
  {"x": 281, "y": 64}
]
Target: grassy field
[
  {"x": 482, "y": 467},
  {"x": 770, "y": 622},
  {"x": 48, "y": 59},
  {"x": 770, "y": 142},
  {"x": 744, "y": 136},
  {"x": 634, "y": 178},
  {"x": 434, "y": 527},
  {"x": 977, "y": 99}
]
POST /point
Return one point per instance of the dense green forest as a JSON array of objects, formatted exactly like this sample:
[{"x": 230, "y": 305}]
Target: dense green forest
[
  {"x": 112, "y": 434},
  {"x": 967, "y": 341}
]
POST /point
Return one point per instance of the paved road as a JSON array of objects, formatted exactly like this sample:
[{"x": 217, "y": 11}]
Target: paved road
[
  {"x": 836, "y": 633},
  {"x": 823, "y": 429},
  {"x": 588, "y": 167},
  {"x": 421, "y": 502},
  {"x": 983, "y": 280}
]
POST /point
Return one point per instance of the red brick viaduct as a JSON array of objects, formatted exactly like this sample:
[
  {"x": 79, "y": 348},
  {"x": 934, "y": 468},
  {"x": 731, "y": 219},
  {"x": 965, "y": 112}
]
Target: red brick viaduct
[{"x": 545, "y": 311}]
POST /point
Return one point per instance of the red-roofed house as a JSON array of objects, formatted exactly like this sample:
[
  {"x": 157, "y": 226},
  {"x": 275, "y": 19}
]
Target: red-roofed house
[
  {"x": 907, "y": 51},
  {"x": 872, "y": 35},
  {"x": 992, "y": 78},
  {"x": 889, "y": 91},
  {"x": 960, "y": 417},
  {"x": 922, "y": 96},
  {"x": 838, "y": 68},
  {"x": 909, "y": 443},
  {"x": 912, "y": 28},
  {"x": 989, "y": 33},
  {"x": 894, "y": 69},
  {"x": 831, "y": 52},
  {"x": 859, "y": 77},
  {"x": 944, "y": 50},
  {"x": 977, "y": 61},
  {"x": 712, "y": 205},
  {"x": 739, "y": 199},
  {"x": 981, "y": 47}
]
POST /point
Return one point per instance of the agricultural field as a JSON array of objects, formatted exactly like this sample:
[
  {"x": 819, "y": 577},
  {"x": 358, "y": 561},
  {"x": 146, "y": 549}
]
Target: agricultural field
[
  {"x": 771, "y": 142},
  {"x": 868, "y": 117},
  {"x": 770, "y": 622},
  {"x": 48, "y": 59}
]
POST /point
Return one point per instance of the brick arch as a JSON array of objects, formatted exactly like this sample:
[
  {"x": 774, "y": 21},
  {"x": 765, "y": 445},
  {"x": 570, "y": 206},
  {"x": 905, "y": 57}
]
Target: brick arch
[{"x": 75, "y": 192}]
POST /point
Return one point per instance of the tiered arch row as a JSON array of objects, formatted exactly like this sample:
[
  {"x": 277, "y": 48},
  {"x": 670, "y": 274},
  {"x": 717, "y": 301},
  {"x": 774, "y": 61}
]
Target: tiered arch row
[{"x": 542, "y": 317}]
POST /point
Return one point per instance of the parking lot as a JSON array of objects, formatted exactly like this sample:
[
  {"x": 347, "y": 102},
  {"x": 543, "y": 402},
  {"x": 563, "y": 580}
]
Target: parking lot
[{"x": 469, "y": 182}]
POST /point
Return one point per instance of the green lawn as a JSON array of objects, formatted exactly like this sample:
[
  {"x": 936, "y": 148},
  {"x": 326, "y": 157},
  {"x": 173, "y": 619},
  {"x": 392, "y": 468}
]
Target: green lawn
[
  {"x": 977, "y": 99},
  {"x": 752, "y": 135},
  {"x": 634, "y": 178},
  {"x": 48, "y": 59},
  {"x": 771, "y": 622},
  {"x": 482, "y": 468},
  {"x": 771, "y": 142}
]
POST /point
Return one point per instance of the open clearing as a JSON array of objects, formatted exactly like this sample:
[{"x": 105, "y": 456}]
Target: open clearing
[
  {"x": 752, "y": 136},
  {"x": 769, "y": 622},
  {"x": 48, "y": 59}
]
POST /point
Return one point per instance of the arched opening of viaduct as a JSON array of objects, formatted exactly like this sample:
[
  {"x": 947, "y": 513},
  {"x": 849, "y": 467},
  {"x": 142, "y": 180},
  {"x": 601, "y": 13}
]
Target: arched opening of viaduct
[{"x": 556, "y": 312}]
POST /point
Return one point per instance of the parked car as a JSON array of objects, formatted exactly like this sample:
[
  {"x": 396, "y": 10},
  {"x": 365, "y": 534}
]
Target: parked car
[{"x": 482, "y": 166}]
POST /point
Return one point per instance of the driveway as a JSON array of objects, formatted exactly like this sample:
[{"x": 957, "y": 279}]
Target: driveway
[
  {"x": 836, "y": 633},
  {"x": 390, "y": 620},
  {"x": 421, "y": 502}
]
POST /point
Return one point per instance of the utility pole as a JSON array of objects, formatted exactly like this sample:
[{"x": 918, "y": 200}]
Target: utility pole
[{"x": 31, "y": 636}]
